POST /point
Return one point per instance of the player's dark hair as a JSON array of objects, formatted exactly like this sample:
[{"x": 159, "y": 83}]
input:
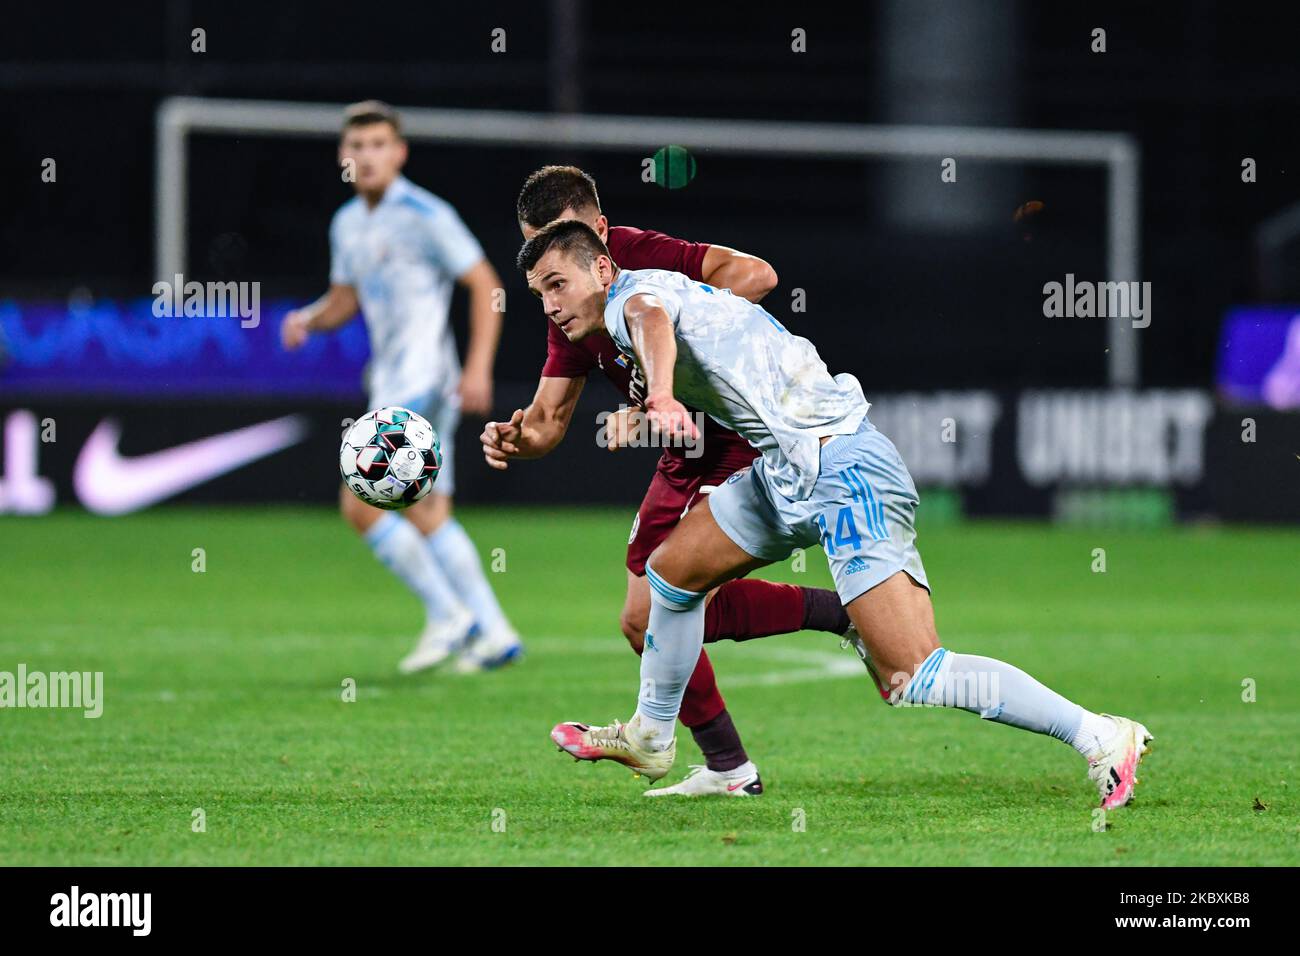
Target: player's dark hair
[
  {"x": 569, "y": 236},
  {"x": 553, "y": 189},
  {"x": 369, "y": 112}
]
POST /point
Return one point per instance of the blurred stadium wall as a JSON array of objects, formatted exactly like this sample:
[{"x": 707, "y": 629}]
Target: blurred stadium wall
[{"x": 930, "y": 291}]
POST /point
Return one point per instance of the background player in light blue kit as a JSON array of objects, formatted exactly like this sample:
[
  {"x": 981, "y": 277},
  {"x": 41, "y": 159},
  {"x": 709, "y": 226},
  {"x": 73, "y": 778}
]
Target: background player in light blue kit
[
  {"x": 396, "y": 253},
  {"x": 824, "y": 474}
]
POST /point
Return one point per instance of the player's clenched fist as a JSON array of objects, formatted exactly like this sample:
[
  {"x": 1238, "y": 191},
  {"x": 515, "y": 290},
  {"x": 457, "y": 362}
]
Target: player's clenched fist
[
  {"x": 670, "y": 417},
  {"x": 294, "y": 329},
  {"x": 621, "y": 428},
  {"x": 500, "y": 440}
]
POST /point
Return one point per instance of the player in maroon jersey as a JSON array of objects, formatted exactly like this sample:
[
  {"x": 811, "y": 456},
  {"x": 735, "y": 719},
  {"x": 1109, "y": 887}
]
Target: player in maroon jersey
[{"x": 739, "y": 610}]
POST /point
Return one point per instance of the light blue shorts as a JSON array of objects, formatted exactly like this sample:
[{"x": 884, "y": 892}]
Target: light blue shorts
[
  {"x": 443, "y": 413},
  {"x": 862, "y": 511}
]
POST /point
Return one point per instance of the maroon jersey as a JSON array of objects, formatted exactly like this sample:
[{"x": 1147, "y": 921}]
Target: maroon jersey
[{"x": 633, "y": 249}]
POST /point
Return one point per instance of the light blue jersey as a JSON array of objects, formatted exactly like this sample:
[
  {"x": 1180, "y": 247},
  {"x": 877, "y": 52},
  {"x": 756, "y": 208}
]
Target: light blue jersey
[
  {"x": 403, "y": 257},
  {"x": 740, "y": 366}
]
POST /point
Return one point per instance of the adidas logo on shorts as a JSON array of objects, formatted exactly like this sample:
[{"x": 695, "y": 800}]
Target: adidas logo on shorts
[{"x": 855, "y": 565}]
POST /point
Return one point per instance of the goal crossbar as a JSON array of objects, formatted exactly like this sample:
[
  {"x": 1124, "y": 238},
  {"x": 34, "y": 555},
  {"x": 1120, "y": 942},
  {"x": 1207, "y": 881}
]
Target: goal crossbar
[{"x": 1117, "y": 153}]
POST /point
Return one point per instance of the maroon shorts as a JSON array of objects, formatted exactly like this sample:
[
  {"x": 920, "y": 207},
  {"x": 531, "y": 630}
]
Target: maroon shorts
[{"x": 673, "y": 490}]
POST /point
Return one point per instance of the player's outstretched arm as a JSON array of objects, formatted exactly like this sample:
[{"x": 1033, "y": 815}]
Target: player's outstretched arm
[
  {"x": 655, "y": 344},
  {"x": 485, "y": 321},
  {"x": 331, "y": 310},
  {"x": 745, "y": 275},
  {"x": 536, "y": 430}
]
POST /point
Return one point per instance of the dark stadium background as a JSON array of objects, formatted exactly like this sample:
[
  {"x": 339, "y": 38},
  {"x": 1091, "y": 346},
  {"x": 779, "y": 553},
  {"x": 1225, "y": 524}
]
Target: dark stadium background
[
  {"x": 944, "y": 293},
  {"x": 1130, "y": 541}
]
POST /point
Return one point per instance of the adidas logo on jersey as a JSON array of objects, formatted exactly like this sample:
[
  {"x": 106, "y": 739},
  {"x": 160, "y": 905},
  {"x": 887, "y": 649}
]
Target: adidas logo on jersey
[{"x": 855, "y": 565}]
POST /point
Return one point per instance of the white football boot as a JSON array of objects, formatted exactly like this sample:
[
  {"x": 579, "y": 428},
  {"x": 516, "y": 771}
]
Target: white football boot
[
  {"x": 744, "y": 781},
  {"x": 622, "y": 743},
  {"x": 488, "y": 651},
  {"x": 1113, "y": 768},
  {"x": 440, "y": 639}
]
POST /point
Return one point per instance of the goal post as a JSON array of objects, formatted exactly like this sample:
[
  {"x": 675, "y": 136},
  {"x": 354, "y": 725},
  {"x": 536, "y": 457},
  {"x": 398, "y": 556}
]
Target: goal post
[{"x": 1117, "y": 153}]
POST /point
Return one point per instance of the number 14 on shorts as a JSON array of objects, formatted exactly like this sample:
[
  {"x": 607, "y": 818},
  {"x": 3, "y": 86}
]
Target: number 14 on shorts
[{"x": 846, "y": 534}]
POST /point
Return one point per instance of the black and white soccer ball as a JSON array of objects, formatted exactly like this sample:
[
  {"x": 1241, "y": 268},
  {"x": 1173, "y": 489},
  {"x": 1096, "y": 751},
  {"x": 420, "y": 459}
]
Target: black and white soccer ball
[{"x": 390, "y": 458}]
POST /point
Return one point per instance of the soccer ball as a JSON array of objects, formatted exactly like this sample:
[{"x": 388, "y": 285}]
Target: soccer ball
[{"x": 390, "y": 458}]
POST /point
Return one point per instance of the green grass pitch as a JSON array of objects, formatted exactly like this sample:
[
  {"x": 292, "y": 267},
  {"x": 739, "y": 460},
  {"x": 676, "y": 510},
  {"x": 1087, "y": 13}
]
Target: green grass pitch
[{"x": 223, "y": 693}]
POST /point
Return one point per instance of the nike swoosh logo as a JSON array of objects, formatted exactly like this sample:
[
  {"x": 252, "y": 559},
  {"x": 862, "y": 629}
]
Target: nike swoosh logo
[
  {"x": 109, "y": 484},
  {"x": 743, "y": 783}
]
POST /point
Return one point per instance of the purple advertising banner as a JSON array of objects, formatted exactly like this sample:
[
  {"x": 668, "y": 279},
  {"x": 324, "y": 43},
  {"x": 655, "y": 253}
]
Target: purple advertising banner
[
  {"x": 125, "y": 348},
  {"x": 1259, "y": 356}
]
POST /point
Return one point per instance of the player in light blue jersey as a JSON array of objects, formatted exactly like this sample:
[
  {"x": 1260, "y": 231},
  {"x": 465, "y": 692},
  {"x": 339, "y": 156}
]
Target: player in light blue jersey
[
  {"x": 397, "y": 252},
  {"x": 824, "y": 475}
]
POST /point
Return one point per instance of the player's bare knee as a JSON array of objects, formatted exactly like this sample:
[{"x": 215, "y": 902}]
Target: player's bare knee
[
  {"x": 430, "y": 514},
  {"x": 674, "y": 568},
  {"x": 662, "y": 559},
  {"x": 439, "y": 509},
  {"x": 355, "y": 512}
]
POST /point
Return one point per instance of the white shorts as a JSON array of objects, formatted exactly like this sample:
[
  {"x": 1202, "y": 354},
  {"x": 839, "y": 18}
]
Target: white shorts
[
  {"x": 862, "y": 510},
  {"x": 443, "y": 413}
]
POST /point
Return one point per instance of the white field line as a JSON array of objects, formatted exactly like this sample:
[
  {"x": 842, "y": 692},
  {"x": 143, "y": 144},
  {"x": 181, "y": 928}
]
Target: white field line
[
  {"x": 810, "y": 665},
  {"x": 817, "y": 664},
  {"x": 788, "y": 665}
]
